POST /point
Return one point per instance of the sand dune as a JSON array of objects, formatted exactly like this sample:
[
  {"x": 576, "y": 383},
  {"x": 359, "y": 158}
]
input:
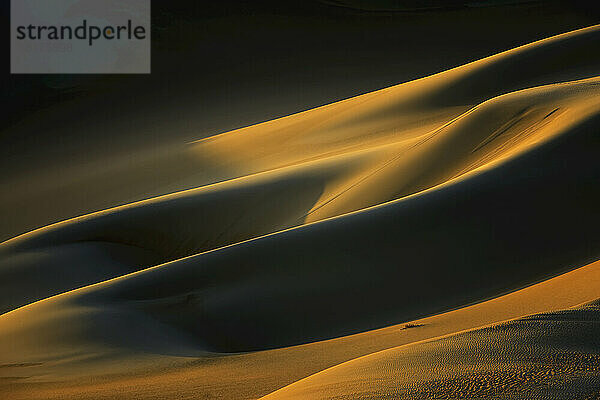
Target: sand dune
[
  {"x": 385, "y": 208},
  {"x": 78, "y": 366},
  {"x": 549, "y": 355},
  {"x": 527, "y": 190},
  {"x": 342, "y": 166}
]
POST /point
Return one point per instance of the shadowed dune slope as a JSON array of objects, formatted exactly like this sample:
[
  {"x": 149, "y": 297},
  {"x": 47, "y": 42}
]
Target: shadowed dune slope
[{"x": 349, "y": 156}]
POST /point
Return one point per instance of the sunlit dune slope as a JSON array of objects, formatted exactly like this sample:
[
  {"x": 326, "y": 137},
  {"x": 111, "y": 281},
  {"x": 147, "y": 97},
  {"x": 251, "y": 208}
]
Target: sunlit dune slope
[
  {"x": 351, "y": 155},
  {"x": 403, "y": 111},
  {"x": 551, "y": 355}
]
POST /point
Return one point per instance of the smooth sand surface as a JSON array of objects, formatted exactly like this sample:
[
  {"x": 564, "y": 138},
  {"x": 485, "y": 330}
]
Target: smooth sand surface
[{"x": 322, "y": 235}]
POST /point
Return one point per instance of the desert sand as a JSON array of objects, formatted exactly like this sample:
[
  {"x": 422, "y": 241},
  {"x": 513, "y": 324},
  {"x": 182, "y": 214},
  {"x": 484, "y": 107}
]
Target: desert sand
[{"x": 428, "y": 240}]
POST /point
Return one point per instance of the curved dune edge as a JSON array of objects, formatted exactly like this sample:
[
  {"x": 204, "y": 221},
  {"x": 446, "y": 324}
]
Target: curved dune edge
[{"x": 252, "y": 375}]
